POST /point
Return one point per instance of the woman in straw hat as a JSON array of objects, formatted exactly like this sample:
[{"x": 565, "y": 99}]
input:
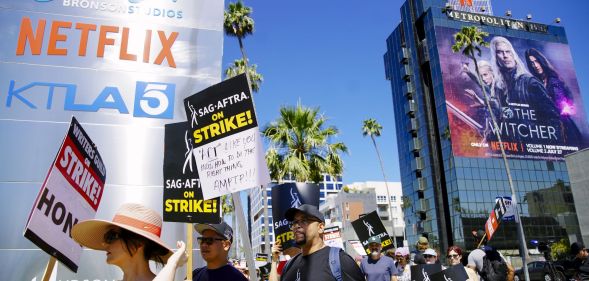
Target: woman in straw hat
[{"x": 130, "y": 240}]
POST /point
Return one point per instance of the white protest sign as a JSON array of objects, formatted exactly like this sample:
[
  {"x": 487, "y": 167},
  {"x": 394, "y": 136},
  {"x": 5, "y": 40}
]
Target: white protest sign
[
  {"x": 71, "y": 192},
  {"x": 226, "y": 138}
]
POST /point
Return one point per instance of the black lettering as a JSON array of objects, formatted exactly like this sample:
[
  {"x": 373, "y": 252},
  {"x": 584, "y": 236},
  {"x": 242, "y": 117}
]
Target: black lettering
[
  {"x": 43, "y": 200},
  {"x": 58, "y": 220}
]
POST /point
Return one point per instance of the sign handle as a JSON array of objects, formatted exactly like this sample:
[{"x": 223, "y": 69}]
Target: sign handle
[
  {"x": 49, "y": 268},
  {"x": 189, "y": 251}
]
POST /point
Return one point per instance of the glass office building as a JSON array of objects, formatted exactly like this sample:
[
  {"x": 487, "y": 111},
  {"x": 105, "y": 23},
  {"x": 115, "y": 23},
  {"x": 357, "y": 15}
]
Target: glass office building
[{"x": 449, "y": 155}]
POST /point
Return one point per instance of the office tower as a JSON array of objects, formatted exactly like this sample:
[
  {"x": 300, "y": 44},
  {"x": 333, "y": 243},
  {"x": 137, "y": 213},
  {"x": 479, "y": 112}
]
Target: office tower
[{"x": 449, "y": 155}]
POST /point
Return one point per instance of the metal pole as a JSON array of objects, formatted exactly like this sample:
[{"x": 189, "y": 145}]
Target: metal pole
[{"x": 247, "y": 245}]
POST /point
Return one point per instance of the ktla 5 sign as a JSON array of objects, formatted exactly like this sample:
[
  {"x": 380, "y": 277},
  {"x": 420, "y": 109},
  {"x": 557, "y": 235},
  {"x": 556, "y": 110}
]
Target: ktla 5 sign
[{"x": 151, "y": 99}]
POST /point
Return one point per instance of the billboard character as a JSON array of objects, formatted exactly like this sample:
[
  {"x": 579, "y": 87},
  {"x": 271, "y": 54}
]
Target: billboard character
[{"x": 557, "y": 90}]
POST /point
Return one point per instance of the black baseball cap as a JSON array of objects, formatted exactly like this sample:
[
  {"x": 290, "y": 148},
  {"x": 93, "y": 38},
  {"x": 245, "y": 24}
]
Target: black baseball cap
[
  {"x": 306, "y": 209},
  {"x": 222, "y": 229},
  {"x": 576, "y": 248}
]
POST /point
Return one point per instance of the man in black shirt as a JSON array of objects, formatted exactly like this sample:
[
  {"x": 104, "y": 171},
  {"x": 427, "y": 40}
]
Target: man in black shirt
[
  {"x": 581, "y": 261},
  {"x": 313, "y": 262},
  {"x": 215, "y": 243}
]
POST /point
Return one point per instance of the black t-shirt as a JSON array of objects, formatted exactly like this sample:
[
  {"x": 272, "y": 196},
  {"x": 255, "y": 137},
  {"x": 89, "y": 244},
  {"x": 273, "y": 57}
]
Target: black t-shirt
[
  {"x": 316, "y": 267},
  {"x": 226, "y": 272}
]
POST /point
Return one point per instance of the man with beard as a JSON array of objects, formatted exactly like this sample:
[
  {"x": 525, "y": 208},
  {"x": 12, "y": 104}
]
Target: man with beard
[
  {"x": 378, "y": 267},
  {"x": 314, "y": 261}
]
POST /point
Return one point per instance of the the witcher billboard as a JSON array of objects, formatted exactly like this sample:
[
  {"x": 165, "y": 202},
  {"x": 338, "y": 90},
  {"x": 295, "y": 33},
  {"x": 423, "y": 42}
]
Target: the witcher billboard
[{"x": 528, "y": 86}]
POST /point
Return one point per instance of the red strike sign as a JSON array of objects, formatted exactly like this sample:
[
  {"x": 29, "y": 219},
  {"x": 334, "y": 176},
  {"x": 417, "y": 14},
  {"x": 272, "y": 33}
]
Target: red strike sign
[{"x": 76, "y": 169}]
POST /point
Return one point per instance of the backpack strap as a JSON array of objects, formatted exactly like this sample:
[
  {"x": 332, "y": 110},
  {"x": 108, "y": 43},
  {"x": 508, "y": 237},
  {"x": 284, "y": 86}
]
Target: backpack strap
[
  {"x": 334, "y": 263},
  {"x": 288, "y": 264}
]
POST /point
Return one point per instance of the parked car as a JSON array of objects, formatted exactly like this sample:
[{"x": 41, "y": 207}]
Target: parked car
[{"x": 540, "y": 271}]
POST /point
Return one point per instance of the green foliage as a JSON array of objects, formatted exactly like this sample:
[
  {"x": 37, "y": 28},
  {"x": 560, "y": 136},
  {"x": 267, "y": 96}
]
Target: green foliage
[
  {"x": 560, "y": 249},
  {"x": 468, "y": 40},
  {"x": 238, "y": 67},
  {"x": 301, "y": 145},
  {"x": 227, "y": 205},
  {"x": 346, "y": 189},
  {"x": 371, "y": 128},
  {"x": 237, "y": 21}
]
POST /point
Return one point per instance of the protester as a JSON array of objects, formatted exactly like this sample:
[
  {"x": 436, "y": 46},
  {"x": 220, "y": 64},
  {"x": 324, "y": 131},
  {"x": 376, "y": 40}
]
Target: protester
[
  {"x": 378, "y": 267},
  {"x": 430, "y": 255},
  {"x": 581, "y": 261},
  {"x": 402, "y": 260},
  {"x": 475, "y": 258},
  {"x": 454, "y": 258},
  {"x": 417, "y": 254},
  {"x": 215, "y": 242},
  {"x": 314, "y": 261},
  {"x": 130, "y": 240}
]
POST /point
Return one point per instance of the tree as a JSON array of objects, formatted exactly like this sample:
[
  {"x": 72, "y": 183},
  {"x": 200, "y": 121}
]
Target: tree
[
  {"x": 238, "y": 23},
  {"x": 301, "y": 146},
  {"x": 238, "y": 67},
  {"x": 372, "y": 128},
  {"x": 469, "y": 40}
]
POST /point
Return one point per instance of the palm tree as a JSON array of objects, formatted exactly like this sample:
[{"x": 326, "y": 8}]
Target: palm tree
[
  {"x": 372, "y": 128},
  {"x": 238, "y": 67},
  {"x": 469, "y": 40},
  {"x": 238, "y": 23},
  {"x": 301, "y": 146}
]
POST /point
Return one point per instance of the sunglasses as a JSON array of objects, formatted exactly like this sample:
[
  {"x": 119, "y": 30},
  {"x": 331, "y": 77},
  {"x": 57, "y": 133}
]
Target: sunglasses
[
  {"x": 429, "y": 256},
  {"x": 111, "y": 236},
  {"x": 208, "y": 240},
  {"x": 301, "y": 223},
  {"x": 452, "y": 256}
]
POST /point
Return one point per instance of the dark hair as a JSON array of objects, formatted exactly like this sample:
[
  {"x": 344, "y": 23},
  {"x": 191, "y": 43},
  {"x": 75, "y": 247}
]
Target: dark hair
[
  {"x": 576, "y": 248},
  {"x": 151, "y": 250},
  {"x": 454, "y": 248},
  {"x": 542, "y": 60}
]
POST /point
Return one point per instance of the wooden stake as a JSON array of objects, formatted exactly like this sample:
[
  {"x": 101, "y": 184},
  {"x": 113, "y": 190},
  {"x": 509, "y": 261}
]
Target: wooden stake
[
  {"x": 189, "y": 251},
  {"x": 49, "y": 269}
]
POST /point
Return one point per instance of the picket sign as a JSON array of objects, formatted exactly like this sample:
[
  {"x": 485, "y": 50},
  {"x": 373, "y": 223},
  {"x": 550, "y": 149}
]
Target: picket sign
[
  {"x": 49, "y": 268},
  {"x": 247, "y": 245},
  {"x": 189, "y": 251}
]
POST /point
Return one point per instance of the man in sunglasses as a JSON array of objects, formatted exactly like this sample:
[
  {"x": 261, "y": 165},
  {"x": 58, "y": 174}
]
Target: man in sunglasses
[
  {"x": 215, "y": 242},
  {"x": 313, "y": 263},
  {"x": 581, "y": 260}
]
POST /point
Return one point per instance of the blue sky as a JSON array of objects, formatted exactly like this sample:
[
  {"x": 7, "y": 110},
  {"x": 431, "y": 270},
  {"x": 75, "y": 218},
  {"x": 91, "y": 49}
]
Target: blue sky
[{"x": 328, "y": 54}]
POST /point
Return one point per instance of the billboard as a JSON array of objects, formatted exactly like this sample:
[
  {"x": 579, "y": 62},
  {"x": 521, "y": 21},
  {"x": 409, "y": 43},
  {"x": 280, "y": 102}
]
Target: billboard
[
  {"x": 532, "y": 91},
  {"x": 122, "y": 68}
]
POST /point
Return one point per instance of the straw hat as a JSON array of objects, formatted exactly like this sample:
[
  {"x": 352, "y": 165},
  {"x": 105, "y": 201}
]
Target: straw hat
[{"x": 135, "y": 218}]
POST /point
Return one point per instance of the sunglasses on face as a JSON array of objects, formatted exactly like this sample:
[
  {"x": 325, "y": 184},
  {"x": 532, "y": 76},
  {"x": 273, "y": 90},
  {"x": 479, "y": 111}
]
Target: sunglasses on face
[
  {"x": 429, "y": 256},
  {"x": 302, "y": 223},
  {"x": 452, "y": 256},
  {"x": 208, "y": 240},
  {"x": 111, "y": 236}
]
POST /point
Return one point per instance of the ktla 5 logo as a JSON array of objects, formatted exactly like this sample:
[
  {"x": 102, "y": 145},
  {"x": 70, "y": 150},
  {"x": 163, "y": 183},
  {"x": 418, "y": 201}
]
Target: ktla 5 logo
[{"x": 152, "y": 99}]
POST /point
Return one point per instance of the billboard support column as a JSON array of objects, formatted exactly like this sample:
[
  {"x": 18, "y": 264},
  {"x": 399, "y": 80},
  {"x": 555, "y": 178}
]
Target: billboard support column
[{"x": 247, "y": 245}]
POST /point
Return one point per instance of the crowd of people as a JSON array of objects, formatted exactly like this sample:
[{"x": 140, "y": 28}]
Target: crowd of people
[{"x": 132, "y": 239}]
